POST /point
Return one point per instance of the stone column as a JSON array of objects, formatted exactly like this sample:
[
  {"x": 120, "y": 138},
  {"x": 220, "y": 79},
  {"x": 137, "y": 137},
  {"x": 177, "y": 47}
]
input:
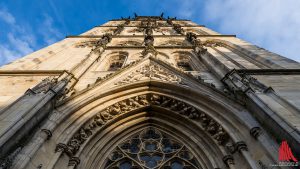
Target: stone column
[
  {"x": 33, "y": 107},
  {"x": 229, "y": 161}
]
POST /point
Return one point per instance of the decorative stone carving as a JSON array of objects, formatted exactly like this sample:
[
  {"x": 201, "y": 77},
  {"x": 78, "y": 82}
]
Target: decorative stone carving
[
  {"x": 211, "y": 43},
  {"x": 214, "y": 129},
  {"x": 241, "y": 146},
  {"x": 149, "y": 40},
  {"x": 75, "y": 142},
  {"x": 61, "y": 147},
  {"x": 74, "y": 161},
  {"x": 253, "y": 83},
  {"x": 236, "y": 85},
  {"x": 45, "y": 85},
  {"x": 178, "y": 29},
  {"x": 191, "y": 37},
  {"x": 149, "y": 49},
  {"x": 198, "y": 46},
  {"x": 239, "y": 85},
  {"x": 169, "y": 21},
  {"x": 154, "y": 72},
  {"x": 148, "y": 31},
  {"x": 130, "y": 43},
  {"x": 238, "y": 146},
  {"x": 48, "y": 133},
  {"x": 228, "y": 160},
  {"x": 255, "y": 132},
  {"x": 120, "y": 27},
  {"x": 106, "y": 38}
]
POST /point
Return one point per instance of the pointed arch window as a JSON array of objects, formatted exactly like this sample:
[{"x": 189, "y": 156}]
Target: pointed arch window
[
  {"x": 183, "y": 62},
  {"x": 151, "y": 149},
  {"x": 116, "y": 62}
]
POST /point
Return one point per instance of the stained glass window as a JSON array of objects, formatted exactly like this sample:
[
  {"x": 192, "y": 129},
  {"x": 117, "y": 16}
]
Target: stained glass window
[{"x": 151, "y": 149}]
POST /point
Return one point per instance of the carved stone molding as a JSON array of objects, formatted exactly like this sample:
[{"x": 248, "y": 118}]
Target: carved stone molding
[
  {"x": 149, "y": 40},
  {"x": 45, "y": 85},
  {"x": 210, "y": 126},
  {"x": 106, "y": 38},
  {"x": 198, "y": 46},
  {"x": 90, "y": 43},
  {"x": 178, "y": 29},
  {"x": 149, "y": 49},
  {"x": 236, "y": 85},
  {"x": 241, "y": 146},
  {"x": 238, "y": 146},
  {"x": 74, "y": 161},
  {"x": 154, "y": 72},
  {"x": 60, "y": 147},
  {"x": 211, "y": 43},
  {"x": 240, "y": 85},
  {"x": 228, "y": 160},
  {"x": 255, "y": 132},
  {"x": 48, "y": 133}
]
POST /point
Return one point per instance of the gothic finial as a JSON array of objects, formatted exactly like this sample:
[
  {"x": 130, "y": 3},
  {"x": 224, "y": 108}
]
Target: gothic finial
[
  {"x": 135, "y": 15},
  {"x": 162, "y": 15},
  {"x": 122, "y": 17}
]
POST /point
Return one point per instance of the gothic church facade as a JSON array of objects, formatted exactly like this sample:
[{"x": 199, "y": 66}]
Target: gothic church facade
[{"x": 149, "y": 92}]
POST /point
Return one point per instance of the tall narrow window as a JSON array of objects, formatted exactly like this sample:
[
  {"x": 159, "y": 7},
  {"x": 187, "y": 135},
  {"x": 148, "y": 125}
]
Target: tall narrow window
[{"x": 151, "y": 149}]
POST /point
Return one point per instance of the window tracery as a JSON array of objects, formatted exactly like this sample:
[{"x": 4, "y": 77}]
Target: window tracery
[
  {"x": 183, "y": 63},
  {"x": 116, "y": 62},
  {"x": 151, "y": 149}
]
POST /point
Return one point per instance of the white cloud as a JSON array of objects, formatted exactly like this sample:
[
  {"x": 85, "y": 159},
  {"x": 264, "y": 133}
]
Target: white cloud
[
  {"x": 20, "y": 46},
  {"x": 21, "y": 40},
  {"x": 274, "y": 25},
  {"x": 7, "y": 17},
  {"x": 7, "y": 55},
  {"x": 49, "y": 32}
]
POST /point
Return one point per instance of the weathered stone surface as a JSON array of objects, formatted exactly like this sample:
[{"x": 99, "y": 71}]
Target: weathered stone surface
[{"x": 69, "y": 105}]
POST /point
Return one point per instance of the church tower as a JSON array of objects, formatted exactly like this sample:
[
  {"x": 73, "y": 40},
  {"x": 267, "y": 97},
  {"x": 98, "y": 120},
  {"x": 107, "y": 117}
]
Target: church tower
[{"x": 150, "y": 92}]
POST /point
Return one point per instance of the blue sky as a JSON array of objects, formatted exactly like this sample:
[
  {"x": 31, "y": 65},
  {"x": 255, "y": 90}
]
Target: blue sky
[{"x": 28, "y": 25}]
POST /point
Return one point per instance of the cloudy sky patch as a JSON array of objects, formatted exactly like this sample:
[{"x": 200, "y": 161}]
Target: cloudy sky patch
[{"x": 30, "y": 25}]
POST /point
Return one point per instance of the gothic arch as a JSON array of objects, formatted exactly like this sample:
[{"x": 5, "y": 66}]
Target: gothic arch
[
  {"x": 192, "y": 60},
  {"x": 78, "y": 116},
  {"x": 113, "y": 60},
  {"x": 140, "y": 121},
  {"x": 164, "y": 116}
]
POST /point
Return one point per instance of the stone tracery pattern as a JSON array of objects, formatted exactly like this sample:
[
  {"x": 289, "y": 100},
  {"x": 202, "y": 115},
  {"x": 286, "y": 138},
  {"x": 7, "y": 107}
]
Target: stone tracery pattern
[
  {"x": 151, "y": 148},
  {"x": 214, "y": 129},
  {"x": 154, "y": 72}
]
